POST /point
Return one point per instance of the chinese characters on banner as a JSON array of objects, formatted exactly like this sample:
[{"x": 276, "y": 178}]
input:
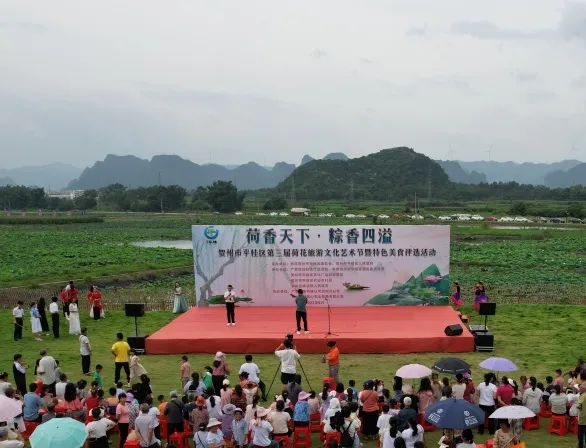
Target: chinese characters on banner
[{"x": 342, "y": 265}]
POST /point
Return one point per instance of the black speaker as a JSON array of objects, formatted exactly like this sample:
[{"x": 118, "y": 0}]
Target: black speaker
[
  {"x": 484, "y": 342},
  {"x": 454, "y": 330},
  {"x": 137, "y": 343},
  {"x": 134, "y": 309},
  {"x": 487, "y": 309}
]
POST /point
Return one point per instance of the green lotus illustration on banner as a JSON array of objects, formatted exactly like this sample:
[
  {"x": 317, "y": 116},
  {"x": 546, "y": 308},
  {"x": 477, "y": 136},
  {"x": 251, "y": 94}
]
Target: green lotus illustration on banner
[
  {"x": 427, "y": 288},
  {"x": 218, "y": 299}
]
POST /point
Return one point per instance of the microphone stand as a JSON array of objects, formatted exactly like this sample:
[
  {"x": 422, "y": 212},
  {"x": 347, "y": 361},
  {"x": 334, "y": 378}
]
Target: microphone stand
[{"x": 329, "y": 333}]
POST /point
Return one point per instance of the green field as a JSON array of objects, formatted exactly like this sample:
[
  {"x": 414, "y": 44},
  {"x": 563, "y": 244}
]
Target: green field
[
  {"x": 532, "y": 265},
  {"x": 538, "y": 338}
]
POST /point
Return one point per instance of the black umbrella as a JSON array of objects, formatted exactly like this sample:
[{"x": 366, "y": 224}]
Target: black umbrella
[{"x": 451, "y": 365}]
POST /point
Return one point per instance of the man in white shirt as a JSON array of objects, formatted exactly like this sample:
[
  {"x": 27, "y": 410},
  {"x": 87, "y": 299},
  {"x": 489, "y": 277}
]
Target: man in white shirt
[
  {"x": 46, "y": 370},
  {"x": 54, "y": 310},
  {"x": 85, "y": 349},
  {"x": 253, "y": 374},
  {"x": 288, "y": 356},
  {"x": 144, "y": 426},
  {"x": 17, "y": 314},
  {"x": 60, "y": 387},
  {"x": 98, "y": 429},
  {"x": 230, "y": 300}
]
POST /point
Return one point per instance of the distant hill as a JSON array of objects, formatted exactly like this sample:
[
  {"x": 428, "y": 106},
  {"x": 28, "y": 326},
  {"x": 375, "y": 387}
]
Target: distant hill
[
  {"x": 523, "y": 173},
  {"x": 457, "y": 174},
  {"x": 573, "y": 176},
  {"x": 174, "y": 170},
  {"x": 54, "y": 176},
  {"x": 306, "y": 158},
  {"x": 390, "y": 174},
  {"x": 6, "y": 181},
  {"x": 336, "y": 156}
]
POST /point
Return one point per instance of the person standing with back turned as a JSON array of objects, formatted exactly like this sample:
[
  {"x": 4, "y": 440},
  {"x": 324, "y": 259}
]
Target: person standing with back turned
[
  {"x": 230, "y": 300},
  {"x": 301, "y": 310},
  {"x": 121, "y": 352}
]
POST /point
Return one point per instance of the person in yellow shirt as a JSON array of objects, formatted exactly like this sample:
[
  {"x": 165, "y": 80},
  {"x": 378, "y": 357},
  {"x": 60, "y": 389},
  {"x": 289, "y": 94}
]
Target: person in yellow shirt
[{"x": 121, "y": 352}]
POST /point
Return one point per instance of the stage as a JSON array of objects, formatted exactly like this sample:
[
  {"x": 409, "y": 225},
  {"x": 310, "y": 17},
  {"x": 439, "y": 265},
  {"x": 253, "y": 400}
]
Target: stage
[{"x": 369, "y": 329}]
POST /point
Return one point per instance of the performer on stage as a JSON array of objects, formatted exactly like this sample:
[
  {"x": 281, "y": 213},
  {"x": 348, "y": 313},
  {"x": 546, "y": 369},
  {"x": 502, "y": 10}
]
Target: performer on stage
[
  {"x": 479, "y": 295},
  {"x": 456, "y": 297},
  {"x": 230, "y": 300},
  {"x": 301, "y": 312},
  {"x": 94, "y": 296},
  {"x": 18, "y": 314}
]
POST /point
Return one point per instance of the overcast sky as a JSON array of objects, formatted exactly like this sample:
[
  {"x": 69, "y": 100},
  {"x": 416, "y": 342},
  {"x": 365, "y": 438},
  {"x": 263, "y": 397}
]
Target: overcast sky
[{"x": 233, "y": 81}]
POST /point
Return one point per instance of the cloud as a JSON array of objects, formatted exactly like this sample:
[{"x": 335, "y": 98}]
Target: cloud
[
  {"x": 366, "y": 61},
  {"x": 579, "y": 82},
  {"x": 318, "y": 53},
  {"x": 445, "y": 81},
  {"x": 487, "y": 30},
  {"x": 525, "y": 76},
  {"x": 23, "y": 26},
  {"x": 573, "y": 21},
  {"x": 417, "y": 31}
]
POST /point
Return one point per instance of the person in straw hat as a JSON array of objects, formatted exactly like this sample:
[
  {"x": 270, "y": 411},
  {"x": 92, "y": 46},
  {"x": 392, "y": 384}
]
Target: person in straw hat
[
  {"x": 239, "y": 428},
  {"x": 227, "y": 417},
  {"x": 215, "y": 438}
]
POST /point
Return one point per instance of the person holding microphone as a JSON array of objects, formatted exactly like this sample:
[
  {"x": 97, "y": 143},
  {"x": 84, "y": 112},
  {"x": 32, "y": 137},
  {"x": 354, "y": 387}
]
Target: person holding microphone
[
  {"x": 301, "y": 310},
  {"x": 230, "y": 300}
]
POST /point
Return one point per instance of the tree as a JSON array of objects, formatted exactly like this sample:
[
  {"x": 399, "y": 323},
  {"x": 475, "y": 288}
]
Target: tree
[
  {"x": 87, "y": 200},
  {"x": 576, "y": 210},
  {"x": 114, "y": 196},
  {"x": 224, "y": 197},
  {"x": 275, "y": 204},
  {"x": 518, "y": 208}
]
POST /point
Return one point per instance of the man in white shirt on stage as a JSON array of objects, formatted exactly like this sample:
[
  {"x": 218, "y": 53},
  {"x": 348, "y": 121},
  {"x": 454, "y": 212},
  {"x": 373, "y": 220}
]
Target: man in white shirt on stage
[
  {"x": 230, "y": 300},
  {"x": 17, "y": 314}
]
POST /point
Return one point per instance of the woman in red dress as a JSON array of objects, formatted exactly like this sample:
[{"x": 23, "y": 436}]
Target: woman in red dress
[{"x": 95, "y": 298}]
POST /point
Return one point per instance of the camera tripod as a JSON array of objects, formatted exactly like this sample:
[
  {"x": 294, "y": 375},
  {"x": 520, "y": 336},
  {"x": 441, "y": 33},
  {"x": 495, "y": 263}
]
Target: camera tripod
[{"x": 279, "y": 369}]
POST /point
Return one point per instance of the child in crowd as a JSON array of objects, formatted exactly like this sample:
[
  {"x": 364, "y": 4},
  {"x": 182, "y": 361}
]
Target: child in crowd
[
  {"x": 314, "y": 403},
  {"x": 207, "y": 378},
  {"x": 200, "y": 437},
  {"x": 301, "y": 410},
  {"x": 162, "y": 403},
  {"x": 97, "y": 375},
  {"x": 184, "y": 371},
  {"x": 136, "y": 368},
  {"x": 112, "y": 400},
  {"x": 239, "y": 428},
  {"x": 354, "y": 397},
  {"x": 383, "y": 422}
]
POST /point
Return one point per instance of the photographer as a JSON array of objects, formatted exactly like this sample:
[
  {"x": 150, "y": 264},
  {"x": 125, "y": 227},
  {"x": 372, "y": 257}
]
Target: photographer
[{"x": 288, "y": 356}]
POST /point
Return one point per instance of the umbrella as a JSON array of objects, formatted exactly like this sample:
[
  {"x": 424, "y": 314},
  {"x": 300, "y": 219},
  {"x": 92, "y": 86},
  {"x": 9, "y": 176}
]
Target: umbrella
[
  {"x": 59, "y": 433},
  {"x": 498, "y": 364},
  {"x": 451, "y": 365},
  {"x": 413, "y": 371},
  {"x": 454, "y": 414},
  {"x": 9, "y": 408},
  {"x": 514, "y": 412}
]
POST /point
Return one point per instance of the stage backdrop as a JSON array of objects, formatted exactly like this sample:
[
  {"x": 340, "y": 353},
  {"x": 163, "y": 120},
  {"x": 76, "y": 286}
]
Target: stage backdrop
[{"x": 342, "y": 265}]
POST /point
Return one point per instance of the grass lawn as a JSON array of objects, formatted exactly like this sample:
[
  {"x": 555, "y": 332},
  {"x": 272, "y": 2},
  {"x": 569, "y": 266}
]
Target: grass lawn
[{"x": 539, "y": 338}]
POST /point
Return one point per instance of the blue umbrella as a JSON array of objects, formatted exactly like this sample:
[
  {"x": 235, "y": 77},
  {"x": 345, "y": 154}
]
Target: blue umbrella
[
  {"x": 454, "y": 414},
  {"x": 59, "y": 433}
]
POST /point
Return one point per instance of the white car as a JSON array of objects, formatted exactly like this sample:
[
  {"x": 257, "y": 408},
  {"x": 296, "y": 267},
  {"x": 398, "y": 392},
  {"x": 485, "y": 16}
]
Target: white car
[
  {"x": 283, "y": 214},
  {"x": 260, "y": 214},
  {"x": 273, "y": 214},
  {"x": 349, "y": 215},
  {"x": 417, "y": 217},
  {"x": 476, "y": 218},
  {"x": 506, "y": 219},
  {"x": 384, "y": 216},
  {"x": 238, "y": 213},
  {"x": 444, "y": 218},
  {"x": 521, "y": 219}
]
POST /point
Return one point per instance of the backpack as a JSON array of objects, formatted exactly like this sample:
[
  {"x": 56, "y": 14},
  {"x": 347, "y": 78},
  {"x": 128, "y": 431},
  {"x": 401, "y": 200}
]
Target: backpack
[{"x": 347, "y": 440}]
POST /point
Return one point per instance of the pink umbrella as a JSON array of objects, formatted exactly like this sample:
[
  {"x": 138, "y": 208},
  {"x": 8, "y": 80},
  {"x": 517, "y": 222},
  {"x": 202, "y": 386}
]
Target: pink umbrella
[
  {"x": 413, "y": 371},
  {"x": 9, "y": 408}
]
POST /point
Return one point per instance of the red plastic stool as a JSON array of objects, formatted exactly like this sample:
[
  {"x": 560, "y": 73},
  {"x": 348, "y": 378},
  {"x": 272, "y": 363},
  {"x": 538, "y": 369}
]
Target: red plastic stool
[
  {"x": 302, "y": 437},
  {"x": 164, "y": 427},
  {"x": 544, "y": 410},
  {"x": 315, "y": 421},
  {"x": 282, "y": 438},
  {"x": 177, "y": 439},
  {"x": 131, "y": 444},
  {"x": 558, "y": 425},
  {"x": 331, "y": 381},
  {"x": 531, "y": 423},
  {"x": 490, "y": 443},
  {"x": 330, "y": 436},
  {"x": 29, "y": 429},
  {"x": 573, "y": 425},
  {"x": 427, "y": 427},
  {"x": 322, "y": 434}
]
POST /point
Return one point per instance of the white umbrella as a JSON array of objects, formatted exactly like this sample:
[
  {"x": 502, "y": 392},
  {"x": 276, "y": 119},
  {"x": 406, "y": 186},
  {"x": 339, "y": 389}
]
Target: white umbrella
[
  {"x": 411, "y": 371},
  {"x": 514, "y": 412},
  {"x": 9, "y": 408}
]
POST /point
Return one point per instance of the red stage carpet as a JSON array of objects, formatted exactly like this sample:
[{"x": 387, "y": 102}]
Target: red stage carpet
[{"x": 369, "y": 329}]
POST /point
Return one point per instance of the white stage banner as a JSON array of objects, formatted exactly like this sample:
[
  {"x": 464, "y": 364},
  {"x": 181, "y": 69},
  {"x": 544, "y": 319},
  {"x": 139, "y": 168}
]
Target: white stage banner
[{"x": 343, "y": 265}]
